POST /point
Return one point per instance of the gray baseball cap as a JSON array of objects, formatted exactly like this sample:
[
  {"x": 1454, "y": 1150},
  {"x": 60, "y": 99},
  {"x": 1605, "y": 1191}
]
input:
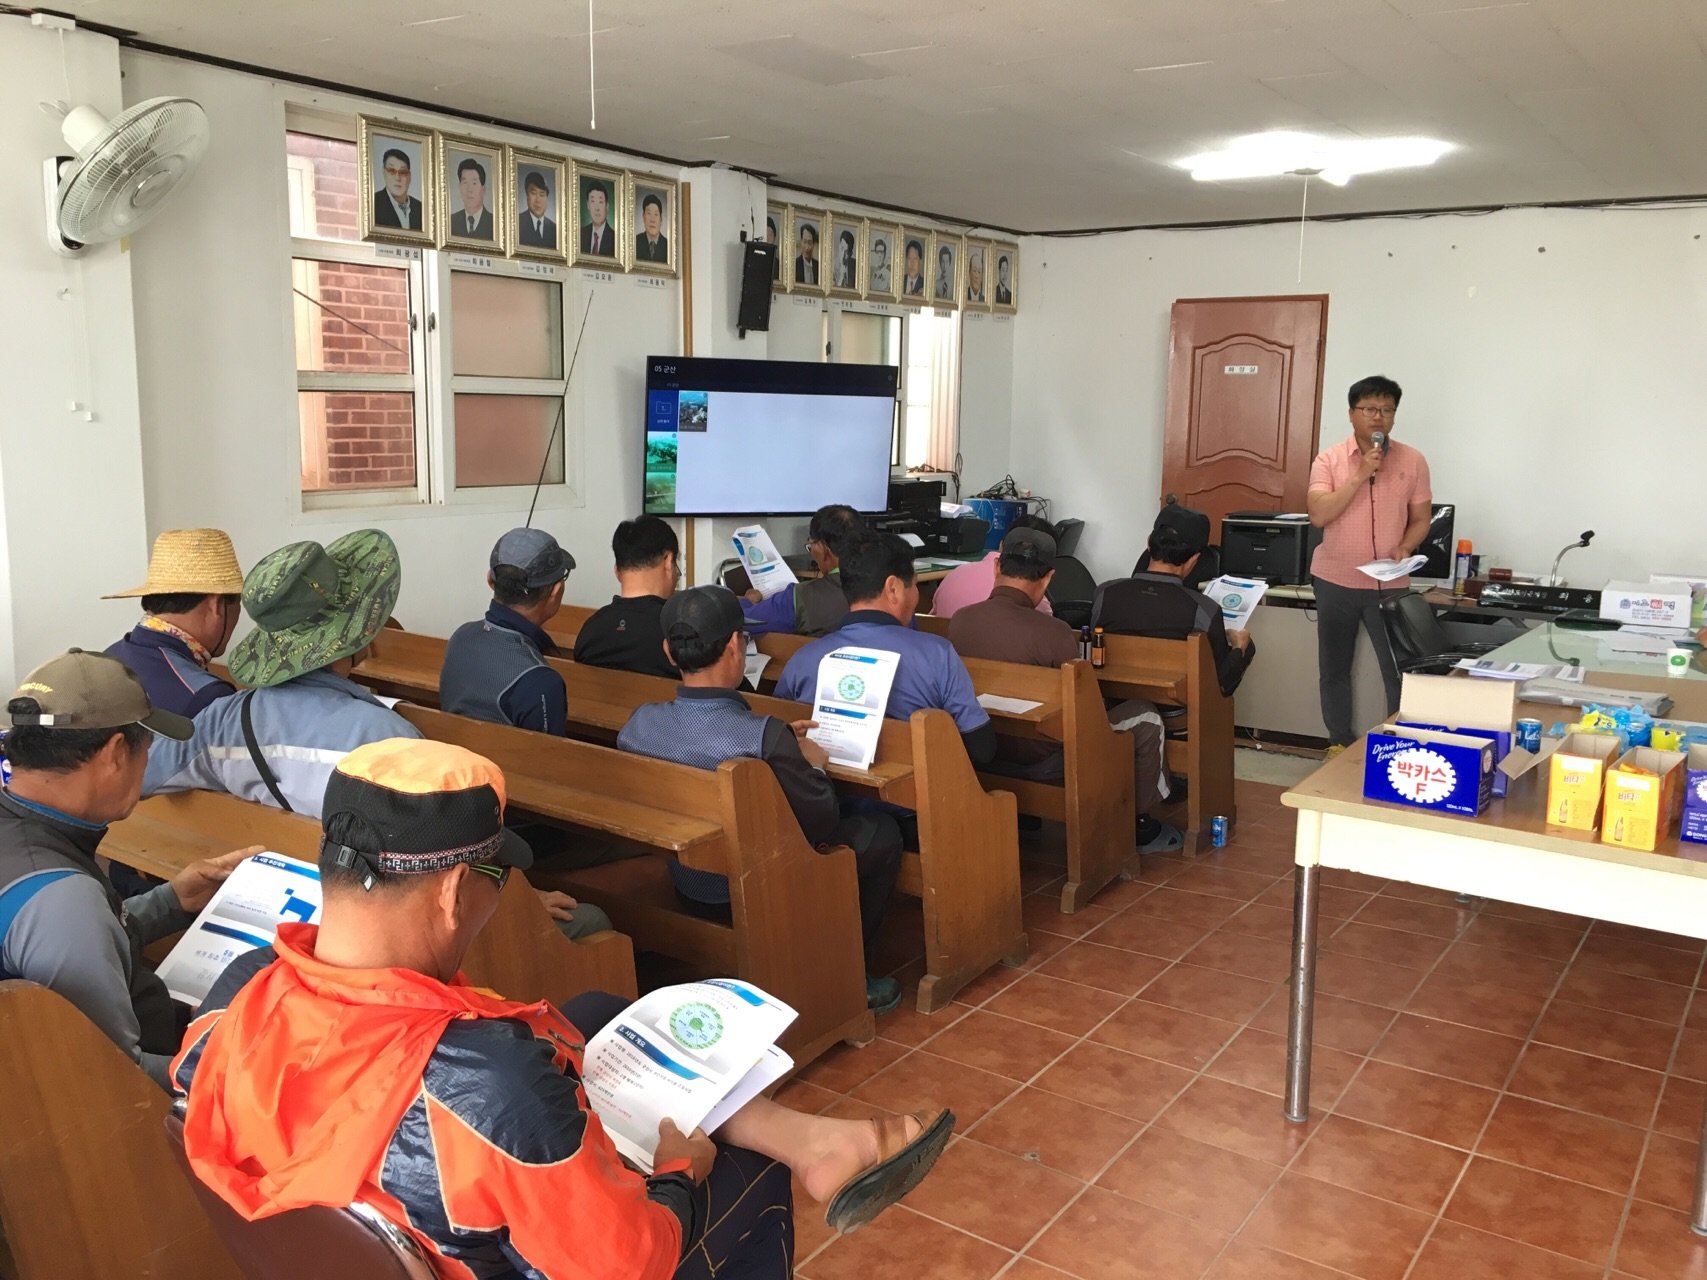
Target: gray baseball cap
[
  {"x": 708, "y": 614},
  {"x": 536, "y": 554},
  {"x": 1029, "y": 544}
]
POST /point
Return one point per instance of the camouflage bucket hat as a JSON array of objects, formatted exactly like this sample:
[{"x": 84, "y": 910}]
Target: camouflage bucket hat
[{"x": 313, "y": 605}]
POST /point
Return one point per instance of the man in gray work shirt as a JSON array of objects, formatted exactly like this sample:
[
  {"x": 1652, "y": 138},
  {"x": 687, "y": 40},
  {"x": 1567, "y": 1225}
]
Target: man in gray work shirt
[{"x": 80, "y": 729}]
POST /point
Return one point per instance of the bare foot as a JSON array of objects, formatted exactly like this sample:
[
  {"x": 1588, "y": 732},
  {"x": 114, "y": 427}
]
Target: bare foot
[{"x": 842, "y": 1149}]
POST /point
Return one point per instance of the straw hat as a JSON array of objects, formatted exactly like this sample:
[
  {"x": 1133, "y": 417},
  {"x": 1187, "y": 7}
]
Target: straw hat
[{"x": 189, "y": 562}]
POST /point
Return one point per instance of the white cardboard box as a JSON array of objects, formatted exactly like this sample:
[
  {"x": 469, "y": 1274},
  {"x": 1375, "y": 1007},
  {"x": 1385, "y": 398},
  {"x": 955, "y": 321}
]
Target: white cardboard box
[{"x": 1650, "y": 604}]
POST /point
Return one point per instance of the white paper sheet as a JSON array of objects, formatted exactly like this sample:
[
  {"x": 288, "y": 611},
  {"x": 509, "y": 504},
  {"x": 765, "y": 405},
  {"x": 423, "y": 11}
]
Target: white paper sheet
[
  {"x": 1387, "y": 570},
  {"x": 766, "y": 569},
  {"x": 1634, "y": 642},
  {"x": 850, "y": 698},
  {"x": 1013, "y": 706},
  {"x": 1238, "y": 598},
  {"x": 914, "y": 541},
  {"x": 681, "y": 1053},
  {"x": 245, "y": 911},
  {"x": 1520, "y": 670}
]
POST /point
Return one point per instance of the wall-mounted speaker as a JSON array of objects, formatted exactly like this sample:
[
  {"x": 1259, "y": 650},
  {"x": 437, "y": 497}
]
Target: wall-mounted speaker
[{"x": 758, "y": 277}]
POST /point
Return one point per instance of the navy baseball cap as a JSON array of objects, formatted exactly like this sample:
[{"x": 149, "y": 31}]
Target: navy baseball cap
[
  {"x": 709, "y": 614},
  {"x": 536, "y": 554},
  {"x": 1193, "y": 526}
]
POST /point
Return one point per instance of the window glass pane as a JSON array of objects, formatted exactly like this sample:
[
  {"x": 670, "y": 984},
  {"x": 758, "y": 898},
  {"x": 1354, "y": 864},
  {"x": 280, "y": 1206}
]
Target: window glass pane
[
  {"x": 500, "y": 439},
  {"x": 870, "y": 339},
  {"x": 350, "y": 318},
  {"x": 323, "y": 188},
  {"x": 506, "y": 327},
  {"x": 356, "y": 439}
]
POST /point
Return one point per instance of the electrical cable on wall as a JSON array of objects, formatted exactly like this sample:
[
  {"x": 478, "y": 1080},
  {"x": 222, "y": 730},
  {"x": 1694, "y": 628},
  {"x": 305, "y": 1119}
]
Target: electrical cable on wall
[{"x": 592, "y": 83}]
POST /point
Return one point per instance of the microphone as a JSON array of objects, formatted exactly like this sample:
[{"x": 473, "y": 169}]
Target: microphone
[
  {"x": 1583, "y": 540},
  {"x": 1379, "y": 440}
]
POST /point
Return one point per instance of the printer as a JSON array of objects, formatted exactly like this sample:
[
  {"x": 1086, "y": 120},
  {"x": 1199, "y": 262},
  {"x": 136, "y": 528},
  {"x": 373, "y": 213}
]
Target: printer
[{"x": 1262, "y": 544}]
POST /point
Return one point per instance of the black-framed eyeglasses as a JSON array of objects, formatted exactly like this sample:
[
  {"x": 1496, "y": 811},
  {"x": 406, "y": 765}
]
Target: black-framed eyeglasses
[{"x": 500, "y": 874}]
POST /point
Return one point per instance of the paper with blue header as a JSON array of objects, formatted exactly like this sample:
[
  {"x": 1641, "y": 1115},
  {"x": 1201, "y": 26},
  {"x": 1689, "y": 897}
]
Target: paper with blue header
[
  {"x": 245, "y": 911},
  {"x": 852, "y": 694}
]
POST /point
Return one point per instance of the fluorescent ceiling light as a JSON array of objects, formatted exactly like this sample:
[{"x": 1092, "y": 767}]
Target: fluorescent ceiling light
[{"x": 1269, "y": 155}]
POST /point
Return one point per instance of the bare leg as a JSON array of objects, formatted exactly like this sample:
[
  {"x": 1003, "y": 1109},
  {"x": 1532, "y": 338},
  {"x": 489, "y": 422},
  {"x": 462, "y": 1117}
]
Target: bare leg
[{"x": 823, "y": 1152}]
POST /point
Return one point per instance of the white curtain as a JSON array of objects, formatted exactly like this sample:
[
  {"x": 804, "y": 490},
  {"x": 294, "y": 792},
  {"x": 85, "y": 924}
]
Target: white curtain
[{"x": 945, "y": 394}]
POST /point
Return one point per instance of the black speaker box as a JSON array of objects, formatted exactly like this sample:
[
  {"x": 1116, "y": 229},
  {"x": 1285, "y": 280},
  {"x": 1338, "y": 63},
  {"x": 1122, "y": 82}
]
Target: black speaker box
[{"x": 758, "y": 272}]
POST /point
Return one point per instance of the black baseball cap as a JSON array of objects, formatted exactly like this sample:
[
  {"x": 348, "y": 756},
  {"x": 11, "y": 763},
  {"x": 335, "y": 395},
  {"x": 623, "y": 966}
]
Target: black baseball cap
[
  {"x": 1190, "y": 525},
  {"x": 1030, "y": 544},
  {"x": 535, "y": 553},
  {"x": 707, "y": 614},
  {"x": 79, "y": 690}
]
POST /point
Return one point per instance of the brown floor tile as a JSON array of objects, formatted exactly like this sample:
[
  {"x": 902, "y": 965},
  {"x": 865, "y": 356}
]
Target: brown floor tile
[
  {"x": 1030, "y": 1269},
  {"x": 1223, "y": 882},
  {"x": 1681, "y": 1104},
  {"x": 996, "y": 978},
  {"x": 1514, "y": 969},
  {"x": 1150, "y": 935},
  {"x": 1536, "y": 1209},
  {"x": 1349, "y": 1025},
  {"x": 1262, "y": 921},
  {"x": 1425, "y": 1106},
  {"x": 1235, "y": 1119},
  {"x": 1526, "y": 939},
  {"x": 1416, "y": 917},
  {"x": 798, "y": 1095},
  {"x": 1256, "y": 1059},
  {"x": 922, "y": 1079},
  {"x": 1067, "y": 1007},
  {"x": 1117, "y": 894},
  {"x": 893, "y": 1246},
  {"x": 993, "y": 1194},
  {"x": 845, "y": 1067},
  {"x": 1331, "y": 903},
  {"x": 907, "y": 1026},
  {"x": 1643, "y": 959},
  {"x": 1477, "y": 1003},
  {"x": 1594, "y": 1085},
  {"x": 1457, "y": 1252},
  {"x": 1604, "y": 1034},
  {"x": 1657, "y": 1244},
  {"x": 1174, "y": 904},
  {"x": 1612, "y": 929},
  {"x": 1309, "y": 1219},
  {"x": 1042, "y": 913},
  {"x": 1043, "y": 945},
  {"x": 1691, "y": 1060},
  {"x": 1209, "y": 992},
  {"x": 1114, "y": 1080},
  {"x": 1056, "y": 1132},
  {"x": 1640, "y": 997},
  {"x": 1244, "y": 1261},
  {"x": 1566, "y": 1144},
  {"x": 1368, "y": 981},
  {"x": 1389, "y": 946},
  {"x": 1004, "y": 1046},
  {"x": 1167, "y": 1034},
  {"x": 1420, "y": 893},
  {"x": 1668, "y": 1172},
  {"x": 1381, "y": 1162},
  {"x": 1125, "y": 973},
  {"x": 1108, "y": 1237},
  {"x": 1265, "y": 959},
  {"x": 1447, "y": 1049},
  {"x": 1534, "y": 915},
  {"x": 1338, "y": 878},
  {"x": 1206, "y": 1184},
  {"x": 811, "y": 1232}
]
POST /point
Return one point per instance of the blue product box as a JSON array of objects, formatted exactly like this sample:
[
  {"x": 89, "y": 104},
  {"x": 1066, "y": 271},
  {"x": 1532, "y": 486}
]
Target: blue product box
[
  {"x": 1501, "y": 739},
  {"x": 1450, "y": 772},
  {"x": 1001, "y": 513},
  {"x": 1694, "y": 825}
]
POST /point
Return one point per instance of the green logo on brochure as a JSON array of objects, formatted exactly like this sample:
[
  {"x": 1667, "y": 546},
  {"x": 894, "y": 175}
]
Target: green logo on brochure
[
  {"x": 696, "y": 1025},
  {"x": 850, "y": 688}
]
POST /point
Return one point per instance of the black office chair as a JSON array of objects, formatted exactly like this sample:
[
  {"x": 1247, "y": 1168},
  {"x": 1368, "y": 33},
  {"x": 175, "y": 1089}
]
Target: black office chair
[
  {"x": 1420, "y": 643},
  {"x": 1071, "y": 591},
  {"x": 1207, "y": 568},
  {"x": 1067, "y": 534}
]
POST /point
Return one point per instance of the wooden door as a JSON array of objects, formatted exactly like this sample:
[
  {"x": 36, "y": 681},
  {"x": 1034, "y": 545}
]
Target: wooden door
[{"x": 1244, "y": 401}]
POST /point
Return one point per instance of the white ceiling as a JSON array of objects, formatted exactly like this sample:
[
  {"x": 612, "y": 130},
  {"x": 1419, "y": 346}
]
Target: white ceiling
[{"x": 1034, "y": 116}]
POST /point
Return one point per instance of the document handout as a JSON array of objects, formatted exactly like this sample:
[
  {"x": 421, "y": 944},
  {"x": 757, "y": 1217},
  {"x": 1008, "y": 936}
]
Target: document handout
[
  {"x": 1520, "y": 670},
  {"x": 1634, "y": 642},
  {"x": 262, "y": 893},
  {"x": 1012, "y": 706},
  {"x": 1238, "y": 598},
  {"x": 1387, "y": 570},
  {"x": 694, "y": 1054},
  {"x": 756, "y": 663},
  {"x": 766, "y": 569},
  {"x": 852, "y": 693}
]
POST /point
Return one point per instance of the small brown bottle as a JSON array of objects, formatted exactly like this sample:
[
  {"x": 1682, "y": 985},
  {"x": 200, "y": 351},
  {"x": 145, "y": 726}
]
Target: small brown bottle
[{"x": 1099, "y": 653}]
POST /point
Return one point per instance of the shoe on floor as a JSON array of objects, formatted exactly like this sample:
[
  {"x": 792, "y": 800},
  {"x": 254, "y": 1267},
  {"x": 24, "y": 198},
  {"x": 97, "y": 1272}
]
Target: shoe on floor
[
  {"x": 1333, "y": 751},
  {"x": 1155, "y": 836},
  {"x": 882, "y": 995},
  {"x": 901, "y": 1166},
  {"x": 1179, "y": 788}
]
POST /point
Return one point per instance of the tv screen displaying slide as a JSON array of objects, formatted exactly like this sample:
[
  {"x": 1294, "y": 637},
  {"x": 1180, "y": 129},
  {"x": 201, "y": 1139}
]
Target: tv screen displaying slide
[{"x": 766, "y": 437}]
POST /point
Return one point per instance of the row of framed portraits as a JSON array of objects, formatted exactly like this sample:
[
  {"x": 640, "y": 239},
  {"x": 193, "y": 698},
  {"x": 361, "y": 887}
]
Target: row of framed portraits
[
  {"x": 446, "y": 191},
  {"x": 837, "y": 255}
]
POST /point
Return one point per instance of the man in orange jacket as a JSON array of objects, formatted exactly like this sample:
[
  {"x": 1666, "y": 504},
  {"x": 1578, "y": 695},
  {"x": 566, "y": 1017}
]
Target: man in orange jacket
[{"x": 352, "y": 1062}]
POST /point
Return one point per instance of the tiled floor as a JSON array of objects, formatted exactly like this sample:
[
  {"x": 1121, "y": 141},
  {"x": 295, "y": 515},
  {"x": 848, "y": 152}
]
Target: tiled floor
[{"x": 1498, "y": 1091}]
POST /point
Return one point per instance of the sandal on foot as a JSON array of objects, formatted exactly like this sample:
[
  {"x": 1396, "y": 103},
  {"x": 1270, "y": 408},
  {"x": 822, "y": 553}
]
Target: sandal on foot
[{"x": 900, "y": 1167}]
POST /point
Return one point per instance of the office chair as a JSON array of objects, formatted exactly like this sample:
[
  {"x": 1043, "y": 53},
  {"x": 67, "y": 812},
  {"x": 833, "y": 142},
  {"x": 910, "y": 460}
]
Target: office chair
[
  {"x": 1067, "y": 534},
  {"x": 1420, "y": 643},
  {"x": 329, "y": 1244},
  {"x": 1207, "y": 568},
  {"x": 1071, "y": 591}
]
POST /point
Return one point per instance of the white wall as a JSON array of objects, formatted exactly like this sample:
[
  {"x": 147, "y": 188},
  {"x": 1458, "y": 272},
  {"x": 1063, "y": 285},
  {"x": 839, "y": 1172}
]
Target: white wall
[
  {"x": 71, "y": 511},
  {"x": 1551, "y": 360}
]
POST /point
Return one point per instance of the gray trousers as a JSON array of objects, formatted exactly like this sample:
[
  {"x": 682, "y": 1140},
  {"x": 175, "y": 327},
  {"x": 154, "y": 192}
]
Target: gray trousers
[{"x": 1339, "y": 612}]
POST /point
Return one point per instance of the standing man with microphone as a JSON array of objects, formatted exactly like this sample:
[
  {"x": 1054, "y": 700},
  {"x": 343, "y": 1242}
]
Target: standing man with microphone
[{"x": 1370, "y": 498}]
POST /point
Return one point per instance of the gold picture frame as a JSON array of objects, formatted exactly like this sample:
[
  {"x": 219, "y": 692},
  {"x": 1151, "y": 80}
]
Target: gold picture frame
[
  {"x": 975, "y": 275},
  {"x": 1004, "y": 294},
  {"x": 383, "y": 218},
  {"x": 844, "y": 257},
  {"x": 800, "y": 221},
  {"x": 474, "y": 211},
  {"x": 882, "y": 276},
  {"x": 905, "y": 290},
  {"x": 944, "y": 292},
  {"x": 536, "y": 179},
  {"x": 644, "y": 254},
  {"x": 599, "y": 245},
  {"x": 776, "y": 231}
]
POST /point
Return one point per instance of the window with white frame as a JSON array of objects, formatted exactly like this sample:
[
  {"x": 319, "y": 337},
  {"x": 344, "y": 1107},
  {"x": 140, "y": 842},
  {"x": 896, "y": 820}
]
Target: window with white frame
[{"x": 925, "y": 348}]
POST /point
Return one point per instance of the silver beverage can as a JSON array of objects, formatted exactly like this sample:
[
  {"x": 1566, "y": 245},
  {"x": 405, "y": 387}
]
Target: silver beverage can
[
  {"x": 1529, "y": 735},
  {"x": 1218, "y": 831}
]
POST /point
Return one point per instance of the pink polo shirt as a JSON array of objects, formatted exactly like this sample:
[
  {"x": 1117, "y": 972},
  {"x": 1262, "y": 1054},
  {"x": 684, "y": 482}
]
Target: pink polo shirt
[
  {"x": 1371, "y": 526},
  {"x": 970, "y": 584}
]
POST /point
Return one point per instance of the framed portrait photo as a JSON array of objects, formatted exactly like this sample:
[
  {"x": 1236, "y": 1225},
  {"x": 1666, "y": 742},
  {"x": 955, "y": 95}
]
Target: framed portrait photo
[
  {"x": 536, "y": 230},
  {"x": 945, "y": 271},
  {"x": 397, "y": 204},
  {"x": 882, "y": 255},
  {"x": 776, "y": 227},
  {"x": 473, "y": 212},
  {"x": 599, "y": 199},
  {"x": 844, "y": 243},
  {"x": 652, "y": 219},
  {"x": 977, "y": 275},
  {"x": 1004, "y": 277},
  {"x": 913, "y": 266},
  {"x": 804, "y": 250}
]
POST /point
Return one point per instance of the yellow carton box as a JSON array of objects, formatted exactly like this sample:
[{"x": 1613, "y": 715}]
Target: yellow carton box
[
  {"x": 1642, "y": 793},
  {"x": 1576, "y": 779}
]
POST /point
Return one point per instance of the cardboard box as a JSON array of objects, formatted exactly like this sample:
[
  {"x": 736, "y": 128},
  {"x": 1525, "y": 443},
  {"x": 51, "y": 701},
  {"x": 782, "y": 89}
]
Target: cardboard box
[
  {"x": 1477, "y": 708},
  {"x": 1642, "y": 790},
  {"x": 1694, "y": 824},
  {"x": 1451, "y": 772},
  {"x": 1576, "y": 778},
  {"x": 1651, "y": 604}
]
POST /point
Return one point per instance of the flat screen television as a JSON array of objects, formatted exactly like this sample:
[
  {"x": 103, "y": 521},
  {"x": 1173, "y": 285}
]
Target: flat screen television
[{"x": 766, "y": 437}]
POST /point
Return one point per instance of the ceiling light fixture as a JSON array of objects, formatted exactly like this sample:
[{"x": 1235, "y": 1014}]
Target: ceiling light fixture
[{"x": 1273, "y": 154}]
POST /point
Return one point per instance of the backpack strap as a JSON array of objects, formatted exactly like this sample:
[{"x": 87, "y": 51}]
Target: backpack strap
[
  {"x": 16, "y": 897},
  {"x": 261, "y": 765}
]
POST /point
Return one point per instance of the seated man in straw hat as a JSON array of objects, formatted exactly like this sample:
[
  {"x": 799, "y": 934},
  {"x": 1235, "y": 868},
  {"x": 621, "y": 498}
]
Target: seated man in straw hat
[
  {"x": 353, "y": 1062},
  {"x": 190, "y": 608}
]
